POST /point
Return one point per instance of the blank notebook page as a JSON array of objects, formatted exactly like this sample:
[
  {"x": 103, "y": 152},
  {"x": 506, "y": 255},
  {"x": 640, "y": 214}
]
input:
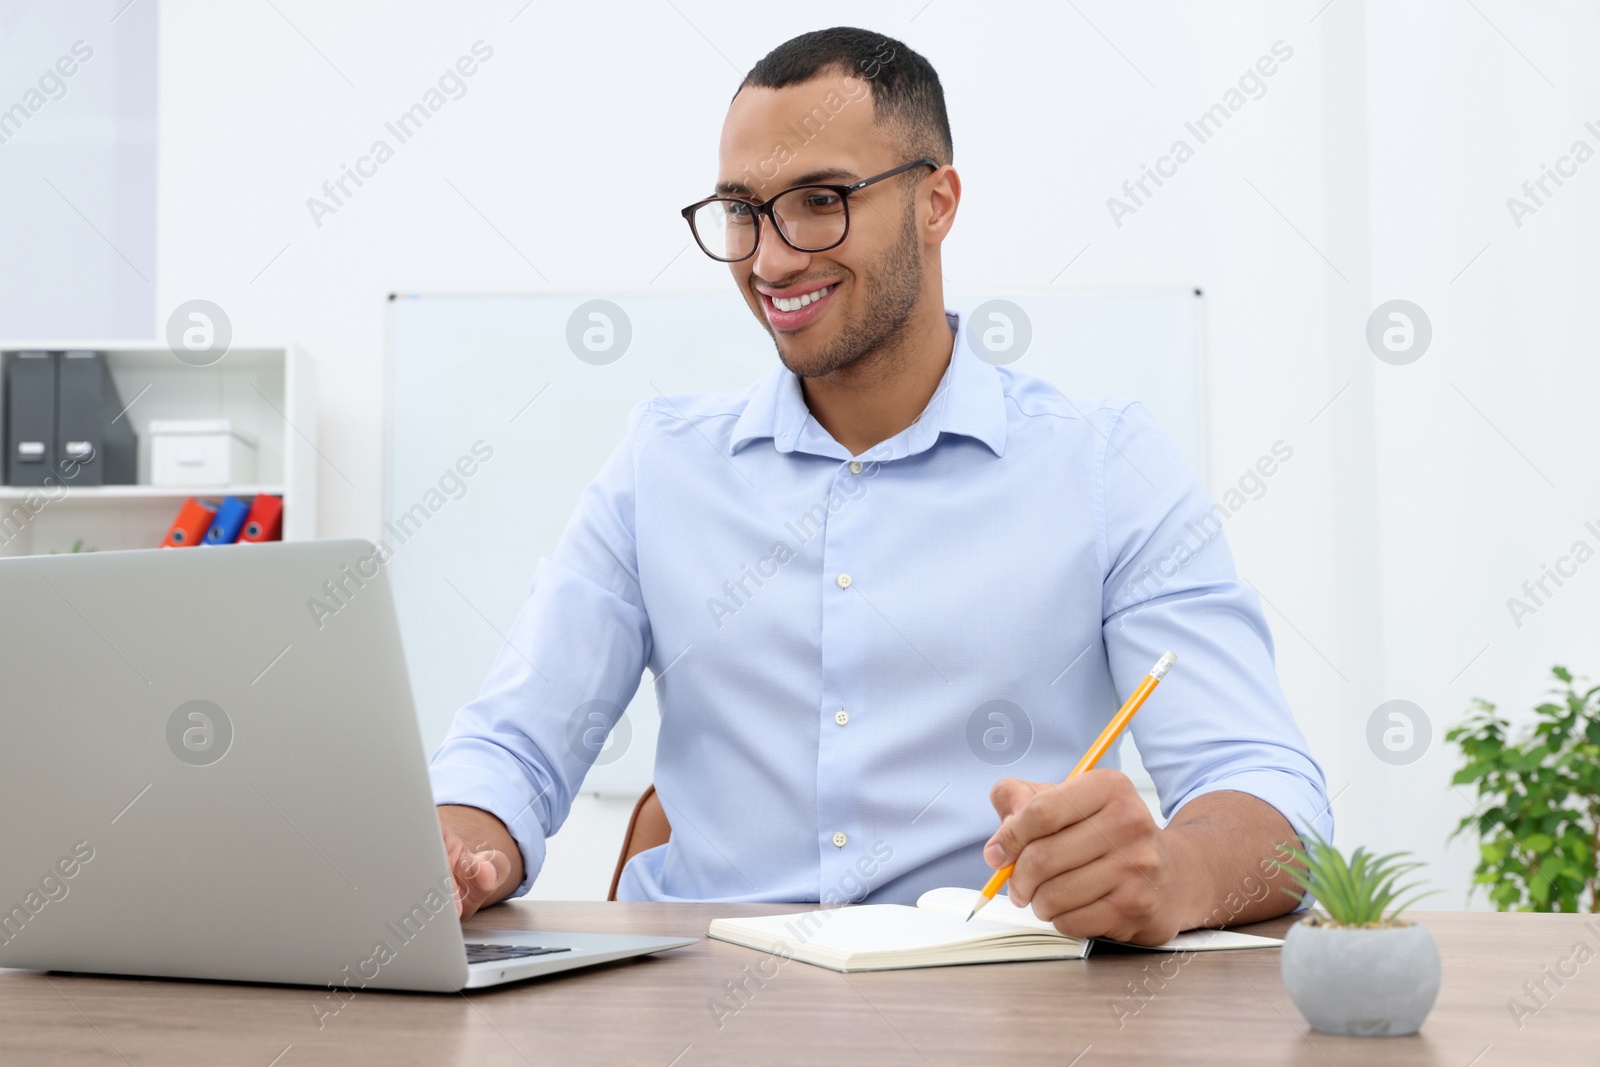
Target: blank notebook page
[
  {"x": 958, "y": 902},
  {"x": 869, "y": 928}
]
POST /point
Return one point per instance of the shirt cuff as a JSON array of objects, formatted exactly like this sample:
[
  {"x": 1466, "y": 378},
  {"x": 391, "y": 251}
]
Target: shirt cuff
[{"x": 503, "y": 792}]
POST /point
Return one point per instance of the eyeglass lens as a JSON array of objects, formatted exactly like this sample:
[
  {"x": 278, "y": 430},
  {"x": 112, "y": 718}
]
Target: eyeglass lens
[{"x": 811, "y": 218}]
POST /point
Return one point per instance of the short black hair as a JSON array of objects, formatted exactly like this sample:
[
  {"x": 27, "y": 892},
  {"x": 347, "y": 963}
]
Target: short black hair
[{"x": 905, "y": 88}]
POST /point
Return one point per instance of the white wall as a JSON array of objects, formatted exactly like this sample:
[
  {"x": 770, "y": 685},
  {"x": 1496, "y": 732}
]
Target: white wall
[
  {"x": 1481, "y": 465},
  {"x": 1381, "y": 151},
  {"x": 77, "y": 169}
]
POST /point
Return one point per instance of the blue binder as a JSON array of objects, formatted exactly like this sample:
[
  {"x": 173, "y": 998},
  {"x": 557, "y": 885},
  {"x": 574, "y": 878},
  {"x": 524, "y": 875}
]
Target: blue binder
[{"x": 231, "y": 514}]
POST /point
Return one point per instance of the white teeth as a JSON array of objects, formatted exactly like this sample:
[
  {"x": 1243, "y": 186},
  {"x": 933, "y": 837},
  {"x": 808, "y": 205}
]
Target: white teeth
[{"x": 795, "y": 303}]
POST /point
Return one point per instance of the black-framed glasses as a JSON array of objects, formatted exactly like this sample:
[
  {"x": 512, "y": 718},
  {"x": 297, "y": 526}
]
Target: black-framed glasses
[{"x": 809, "y": 218}]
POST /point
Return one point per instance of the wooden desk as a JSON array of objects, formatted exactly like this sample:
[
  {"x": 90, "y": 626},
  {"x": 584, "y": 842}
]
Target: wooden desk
[{"x": 1224, "y": 1007}]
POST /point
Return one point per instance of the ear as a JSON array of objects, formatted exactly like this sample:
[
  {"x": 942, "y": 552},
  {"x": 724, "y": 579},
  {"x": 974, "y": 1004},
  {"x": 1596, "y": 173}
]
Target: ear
[{"x": 943, "y": 196}]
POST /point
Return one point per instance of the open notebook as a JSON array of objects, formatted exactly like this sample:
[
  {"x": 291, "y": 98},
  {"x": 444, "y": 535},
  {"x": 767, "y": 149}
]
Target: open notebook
[{"x": 883, "y": 937}]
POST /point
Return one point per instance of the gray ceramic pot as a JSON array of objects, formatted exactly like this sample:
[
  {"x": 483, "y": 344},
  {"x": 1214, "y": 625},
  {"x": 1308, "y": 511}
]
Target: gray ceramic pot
[{"x": 1363, "y": 983}]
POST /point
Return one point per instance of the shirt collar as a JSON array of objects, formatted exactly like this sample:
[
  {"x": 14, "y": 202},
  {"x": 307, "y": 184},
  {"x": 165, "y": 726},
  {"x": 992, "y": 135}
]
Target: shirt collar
[{"x": 968, "y": 401}]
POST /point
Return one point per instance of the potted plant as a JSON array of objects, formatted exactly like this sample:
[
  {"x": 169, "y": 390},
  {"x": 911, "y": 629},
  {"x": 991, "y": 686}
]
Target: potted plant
[
  {"x": 1538, "y": 821},
  {"x": 77, "y": 546},
  {"x": 1351, "y": 965}
]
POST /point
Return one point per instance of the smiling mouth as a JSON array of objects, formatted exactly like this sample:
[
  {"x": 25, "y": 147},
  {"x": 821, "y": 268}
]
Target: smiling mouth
[
  {"x": 788, "y": 314},
  {"x": 795, "y": 303}
]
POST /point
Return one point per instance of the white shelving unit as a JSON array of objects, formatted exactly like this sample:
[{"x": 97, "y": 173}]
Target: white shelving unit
[{"x": 269, "y": 391}]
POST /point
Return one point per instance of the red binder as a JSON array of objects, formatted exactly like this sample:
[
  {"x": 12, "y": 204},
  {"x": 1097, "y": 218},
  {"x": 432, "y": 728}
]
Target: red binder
[
  {"x": 265, "y": 522},
  {"x": 194, "y": 519}
]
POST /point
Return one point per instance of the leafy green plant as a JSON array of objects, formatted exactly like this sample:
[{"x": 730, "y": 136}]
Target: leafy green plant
[
  {"x": 1360, "y": 891},
  {"x": 1539, "y": 799},
  {"x": 77, "y": 546}
]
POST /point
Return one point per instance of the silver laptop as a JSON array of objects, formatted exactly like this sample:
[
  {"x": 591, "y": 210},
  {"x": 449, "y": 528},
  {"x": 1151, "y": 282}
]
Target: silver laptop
[{"x": 203, "y": 775}]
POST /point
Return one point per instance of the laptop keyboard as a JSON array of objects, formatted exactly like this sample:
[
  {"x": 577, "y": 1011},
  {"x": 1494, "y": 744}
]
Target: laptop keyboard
[{"x": 478, "y": 952}]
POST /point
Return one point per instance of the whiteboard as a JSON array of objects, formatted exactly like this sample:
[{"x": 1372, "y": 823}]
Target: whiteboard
[{"x": 545, "y": 388}]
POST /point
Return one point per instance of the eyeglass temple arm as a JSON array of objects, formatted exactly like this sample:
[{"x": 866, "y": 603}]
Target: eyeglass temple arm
[{"x": 925, "y": 161}]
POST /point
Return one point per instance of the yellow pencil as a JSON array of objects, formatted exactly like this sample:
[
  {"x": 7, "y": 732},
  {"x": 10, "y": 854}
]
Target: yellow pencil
[{"x": 1101, "y": 745}]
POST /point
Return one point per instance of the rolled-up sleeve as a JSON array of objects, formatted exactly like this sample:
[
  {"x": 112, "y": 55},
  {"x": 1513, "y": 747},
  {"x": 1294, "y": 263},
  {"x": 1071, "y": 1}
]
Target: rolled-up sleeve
[
  {"x": 570, "y": 665},
  {"x": 1220, "y": 720}
]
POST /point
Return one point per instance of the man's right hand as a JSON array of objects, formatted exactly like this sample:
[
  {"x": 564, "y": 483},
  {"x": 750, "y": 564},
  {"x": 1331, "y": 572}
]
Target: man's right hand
[{"x": 485, "y": 862}]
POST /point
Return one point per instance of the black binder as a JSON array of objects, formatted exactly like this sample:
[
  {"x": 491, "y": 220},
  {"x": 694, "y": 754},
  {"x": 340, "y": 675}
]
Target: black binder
[
  {"x": 95, "y": 442},
  {"x": 30, "y": 418}
]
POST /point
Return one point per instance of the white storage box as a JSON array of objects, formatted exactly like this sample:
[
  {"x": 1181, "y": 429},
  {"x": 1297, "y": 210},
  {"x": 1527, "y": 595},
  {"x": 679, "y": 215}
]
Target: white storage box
[{"x": 200, "y": 452}]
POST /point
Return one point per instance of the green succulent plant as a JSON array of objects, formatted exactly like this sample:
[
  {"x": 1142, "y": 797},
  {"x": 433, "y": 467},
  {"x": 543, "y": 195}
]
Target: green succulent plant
[{"x": 1360, "y": 891}]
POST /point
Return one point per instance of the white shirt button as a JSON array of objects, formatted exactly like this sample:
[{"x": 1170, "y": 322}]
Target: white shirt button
[
  {"x": 839, "y": 839},
  {"x": 855, "y": 468},
  {"x": 841, "y": 716},
  {"x": 844, "y": 581}
]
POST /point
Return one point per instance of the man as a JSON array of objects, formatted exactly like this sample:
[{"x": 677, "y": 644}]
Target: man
[{"x": 866, "y": 583}]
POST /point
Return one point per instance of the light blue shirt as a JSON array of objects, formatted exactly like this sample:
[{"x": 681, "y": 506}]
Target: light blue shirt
[{"x": 849, "y": 651}]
